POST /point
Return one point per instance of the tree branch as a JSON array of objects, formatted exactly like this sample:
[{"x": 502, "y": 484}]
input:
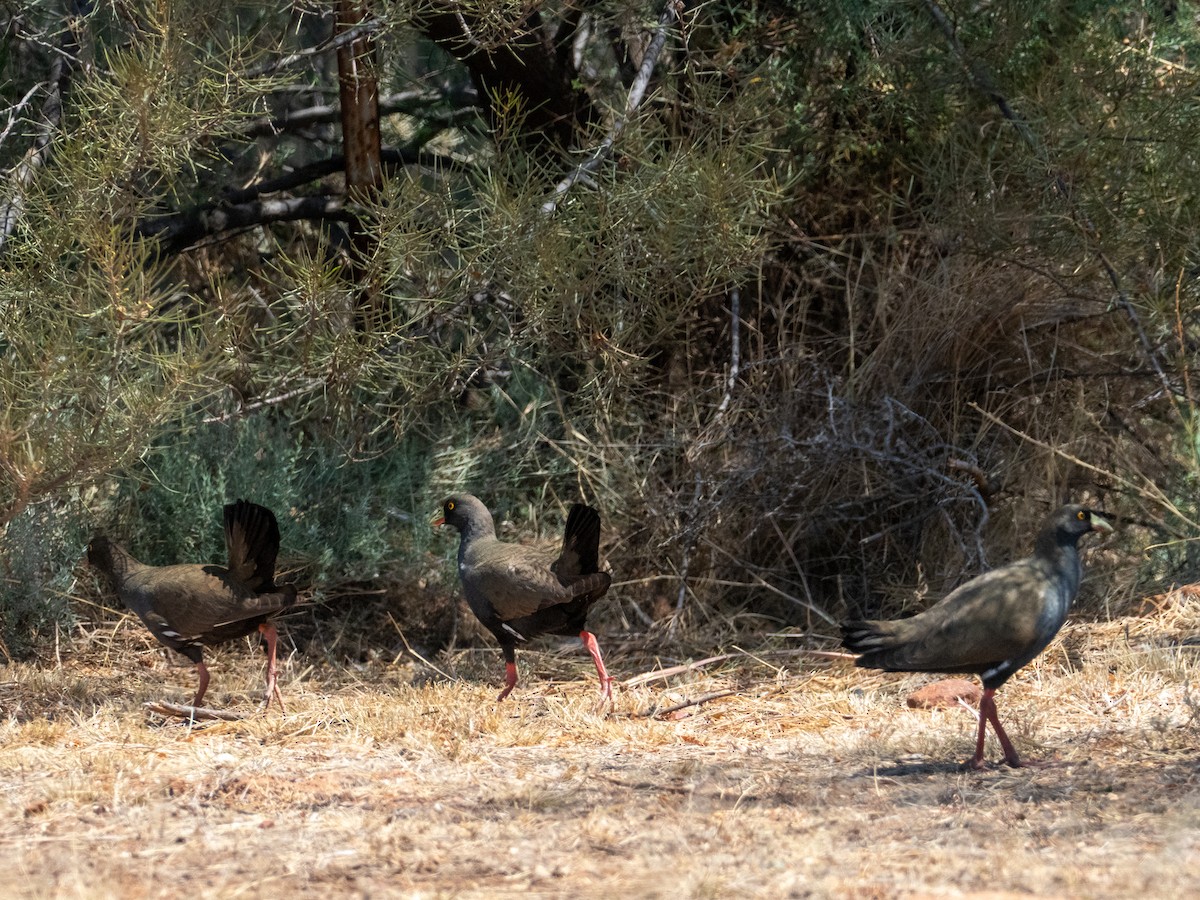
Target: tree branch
[
  {"x": 61, "y": 70},
  {"x": 412, "y": 102},
  {"x": 735, "y": 355},
  {"x": 336, "y": 42},
  {"x": 14, "y": 111},
  {"x": 243, "y": 208},
  {"x": 176, "y": 233},
  {"x": 671, "y": 13}
]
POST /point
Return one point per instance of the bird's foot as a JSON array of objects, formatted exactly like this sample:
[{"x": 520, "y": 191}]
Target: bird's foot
[
  {"x": 606, "y": 694},
  {"x": 272, "y": 691}
]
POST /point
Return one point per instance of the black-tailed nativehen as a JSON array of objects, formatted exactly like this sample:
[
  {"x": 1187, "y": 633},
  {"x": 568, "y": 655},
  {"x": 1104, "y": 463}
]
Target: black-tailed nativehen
[
  {"x": 189, "y": 605},
  {"x": 992, "y": 625},
  {"x": 518, "y": 592}
]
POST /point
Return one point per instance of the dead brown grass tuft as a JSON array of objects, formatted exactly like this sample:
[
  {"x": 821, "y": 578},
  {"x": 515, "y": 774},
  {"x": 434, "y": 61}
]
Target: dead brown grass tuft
[{"x": 800, "y": 776}]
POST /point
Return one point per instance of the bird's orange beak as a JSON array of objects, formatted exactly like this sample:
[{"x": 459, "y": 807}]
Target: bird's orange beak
[{"x": 438, "y": 522}]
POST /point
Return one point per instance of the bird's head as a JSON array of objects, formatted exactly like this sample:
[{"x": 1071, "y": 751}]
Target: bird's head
[
  {"x": 1073, "y": 521},
  {"x": 466, "y": 513},
  {"x": 99, "y": 553},
  {"x": 107, "y": 558}
]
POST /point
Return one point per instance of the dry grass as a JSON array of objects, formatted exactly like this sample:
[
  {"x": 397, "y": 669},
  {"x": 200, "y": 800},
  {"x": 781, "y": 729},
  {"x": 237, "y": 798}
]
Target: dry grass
[{"x": 810, "y": 779}]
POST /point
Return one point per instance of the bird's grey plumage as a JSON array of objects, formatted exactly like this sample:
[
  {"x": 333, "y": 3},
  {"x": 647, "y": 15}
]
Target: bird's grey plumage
[
  {"x": 513, "y": 581},
  {"x": 992, "y": 625},
  {"x": 186, "y": 606},
  {"x": 519, "y": 591}
]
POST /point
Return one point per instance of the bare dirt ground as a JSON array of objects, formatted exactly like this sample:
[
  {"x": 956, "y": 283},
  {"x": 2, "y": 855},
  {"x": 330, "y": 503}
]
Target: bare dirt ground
[{"x": 809, "y": 779}]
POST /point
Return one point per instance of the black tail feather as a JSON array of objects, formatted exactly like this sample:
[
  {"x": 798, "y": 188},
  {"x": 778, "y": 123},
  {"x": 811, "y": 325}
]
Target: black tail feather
[
  {"x": 874, "y": 643},
  {"x": 581, "y": 543},
  {"x": 862, "y": 637},
  {"x": 260, "y": 532}
]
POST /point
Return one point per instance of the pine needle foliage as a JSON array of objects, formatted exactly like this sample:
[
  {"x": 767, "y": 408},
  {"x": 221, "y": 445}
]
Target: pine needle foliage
[{"x": 858, "y": 293}]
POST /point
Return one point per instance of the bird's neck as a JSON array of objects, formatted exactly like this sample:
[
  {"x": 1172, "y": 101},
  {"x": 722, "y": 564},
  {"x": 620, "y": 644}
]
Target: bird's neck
[
  {"x": 121, "y": 564},
  {"x": 1061, "y": 551},
  {"x": 475, "y": 531},
  {"x": 1052, "y": 542}
]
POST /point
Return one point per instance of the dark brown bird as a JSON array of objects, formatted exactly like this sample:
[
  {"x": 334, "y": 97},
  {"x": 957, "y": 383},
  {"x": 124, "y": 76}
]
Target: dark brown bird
[
  {"x": 188, "y": 605},
  {"x": 992, "y": 625},
  {"x": 518, "y": 592}
]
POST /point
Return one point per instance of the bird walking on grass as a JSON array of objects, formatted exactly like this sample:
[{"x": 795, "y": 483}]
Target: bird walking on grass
[
  {"x": 992, "y": 625},
  {"x": 518, "y": 592},
  {"x": 189, "y": 605}
]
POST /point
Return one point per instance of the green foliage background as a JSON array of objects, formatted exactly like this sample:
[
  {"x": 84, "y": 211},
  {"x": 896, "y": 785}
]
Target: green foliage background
[{"x": 950, "y": 319}]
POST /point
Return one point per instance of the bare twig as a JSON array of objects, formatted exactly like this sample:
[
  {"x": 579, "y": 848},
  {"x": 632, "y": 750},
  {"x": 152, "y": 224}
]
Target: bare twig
[
  {"x": 1126, "y": 304},
  {"x": 660, "y": 674},
  {"x": 22, "y": 174},
  {"x": 237, "y": 209},
  {"x": 406, "y": 101},
  {"x": 192, "y": 713},
  {"x": 654, "y": 711},
  {"x": 408, "y": 649},
  {"x": 333, "y": 43},
  {"x": 735, "y": 322},
  {"x": 262, "y": 404},
  {"x": 180, "y": 231},
  {"x": 677, "y": 670},
  {"x": 1183, "y": 354},
  {"x": 671, "y": 13},
  {"x": 14, "y": 111}
]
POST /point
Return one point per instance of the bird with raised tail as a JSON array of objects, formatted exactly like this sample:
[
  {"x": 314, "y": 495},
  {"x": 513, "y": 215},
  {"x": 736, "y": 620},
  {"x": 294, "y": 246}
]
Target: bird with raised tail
[
  {"x": 518, "y": 592},
  {"x": 189, "y": 605},
  {"x": 990, "y": 626}
]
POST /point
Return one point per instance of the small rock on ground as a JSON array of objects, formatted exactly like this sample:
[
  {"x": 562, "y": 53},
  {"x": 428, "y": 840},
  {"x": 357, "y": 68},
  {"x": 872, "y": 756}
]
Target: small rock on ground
[{"x": 945, "y": 694}]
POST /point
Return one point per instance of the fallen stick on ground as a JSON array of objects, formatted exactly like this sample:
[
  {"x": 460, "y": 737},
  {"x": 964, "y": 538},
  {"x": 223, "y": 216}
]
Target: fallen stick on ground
[
  {"x": 701, "y": 663},
  {"x": 676, "y": 670},
  {"x": 195, "y": 713},
  {"x": 654, "y": 711}
]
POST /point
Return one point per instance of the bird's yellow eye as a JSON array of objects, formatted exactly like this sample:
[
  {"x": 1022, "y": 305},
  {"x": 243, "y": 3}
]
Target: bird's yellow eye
[
  {"x": 450, "y": 506},
  {"x": 1081, "y": 515}
]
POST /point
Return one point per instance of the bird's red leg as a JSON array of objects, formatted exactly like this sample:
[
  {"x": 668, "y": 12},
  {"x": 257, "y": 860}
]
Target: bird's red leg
[
  {"x": 987, "y": 713},
  {"x": 202, "y": 671},
  {"x": 271, "y": 636},
  {"x": 589, "y": 641},
  {"x": 1010, "y": 752},
  {"x": 986, "y": 704},
  {"x": 510, "y": 679}
]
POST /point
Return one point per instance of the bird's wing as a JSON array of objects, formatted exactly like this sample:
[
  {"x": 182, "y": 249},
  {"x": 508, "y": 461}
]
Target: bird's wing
[
  {"x": 193, "y": 599},
  {"x": 165, "y": 632},
  {"x": 250, "y": 607},
  {"x": 992, "y": 618},
  {"x": 515, "y": 580}
]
